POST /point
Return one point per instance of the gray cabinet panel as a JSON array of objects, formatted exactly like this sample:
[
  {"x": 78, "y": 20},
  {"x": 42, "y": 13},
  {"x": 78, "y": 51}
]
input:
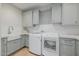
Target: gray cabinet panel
[
  {"x": 67, "y": 47},
  {"x": 3, "y": 46},
  {"x": 17, "y": 44},
  {"x": 12, "y": 46},
  {"x": 27, "y": 18},
  {"x": 70, "y": 14},
  {"x": 36, "y": 16},
  {"x": 22, "y": 42},
  {"x": 27, "y": 42},
  {"x": 26, "y": 39},
  {"x": 56, "y": 14},
  {"x": 77, "y": 47}
]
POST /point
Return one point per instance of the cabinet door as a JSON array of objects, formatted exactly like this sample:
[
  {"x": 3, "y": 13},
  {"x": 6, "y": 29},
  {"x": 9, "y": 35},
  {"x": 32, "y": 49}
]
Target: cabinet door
[
  {"x": 77, "y": 47},
  {"x": 27, "y": 18},
  {"x": 35, "y": 16},
  {"x": 12, "y": 46},
  {"x": 69, "y": 14},
  {"x": 17, "y": 44},
  {"x": 56, "y": 14},
  {"x": 77, "y": 22},
  {"x": 67, "y": 47},
  {"x": 3, "y": 46},
  {"x": 22, "y": 42},
  {"x": 27, "y": 40}
]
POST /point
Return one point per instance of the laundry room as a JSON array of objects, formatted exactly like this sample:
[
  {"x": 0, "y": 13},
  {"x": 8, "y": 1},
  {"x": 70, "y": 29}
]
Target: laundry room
[{"x": 39, "y": 29}]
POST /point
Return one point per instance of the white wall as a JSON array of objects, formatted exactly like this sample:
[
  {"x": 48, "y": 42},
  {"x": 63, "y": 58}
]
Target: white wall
[
  {"x": 11, "y": 16},
  {"x": 66, "y": 29}
]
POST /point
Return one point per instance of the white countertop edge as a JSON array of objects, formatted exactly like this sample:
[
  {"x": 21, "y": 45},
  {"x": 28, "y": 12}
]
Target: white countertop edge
[
  {"x": 69, "y": 36},
  {"x": 59, "y": 35}
]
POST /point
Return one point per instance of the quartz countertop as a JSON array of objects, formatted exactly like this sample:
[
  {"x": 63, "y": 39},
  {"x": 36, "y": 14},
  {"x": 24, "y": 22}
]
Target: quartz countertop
[
  {"x": 73, "y": 36},
  {"x": 11, "y": 37},
  {"x": 69, "y": 36}
]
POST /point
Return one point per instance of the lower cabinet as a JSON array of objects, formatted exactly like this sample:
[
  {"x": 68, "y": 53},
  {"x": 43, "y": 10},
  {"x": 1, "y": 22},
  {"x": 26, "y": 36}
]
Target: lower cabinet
[
  {"x": 25, "y": 39},
  {"x": 22, "y": 42},
  {"x": 67, "y": 47},
  {"x": 16, "y": 44},
  {"x": 12, "y": 46},
  {"x": 3, "y": 46},
  {"x": 77, "y": 47}
]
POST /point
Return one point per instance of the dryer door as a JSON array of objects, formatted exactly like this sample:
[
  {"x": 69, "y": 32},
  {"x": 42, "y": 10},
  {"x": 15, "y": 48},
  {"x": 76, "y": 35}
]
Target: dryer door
[{"x": 50, "y": 45}]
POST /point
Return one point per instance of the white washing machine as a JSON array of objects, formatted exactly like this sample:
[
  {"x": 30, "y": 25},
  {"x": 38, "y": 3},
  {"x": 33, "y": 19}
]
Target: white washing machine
[
  {"x": 50, "y": 44},
  {"x": 35, "y": 43},
  {"x": 38, "y": 42}
]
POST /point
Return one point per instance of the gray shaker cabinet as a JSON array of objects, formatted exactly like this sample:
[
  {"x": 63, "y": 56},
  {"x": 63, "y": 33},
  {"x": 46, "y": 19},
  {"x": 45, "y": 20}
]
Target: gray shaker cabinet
[
  {"x": 56, "y": 13},
  {"x": 16, "y": 44},
  {"x": 3, "y": 46},
  {"x": 8, "y": 47},
  {"x": 70, "y": 14},
  {"x": 35, "y": 17},
  {"x": 22, "y": 42},
  {"x": 12, "y": 46},
  {"x": 67, "y": 47},
  {"x": 27, "y": 18},
  {"x": 25, "y": 37},
  {"x": 77, "y": 47},
  {"x": 27, "y": 40}
]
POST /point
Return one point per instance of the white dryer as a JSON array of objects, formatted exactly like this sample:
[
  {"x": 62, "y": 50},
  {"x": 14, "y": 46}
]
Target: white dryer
[{"x": 50, "y": 44}]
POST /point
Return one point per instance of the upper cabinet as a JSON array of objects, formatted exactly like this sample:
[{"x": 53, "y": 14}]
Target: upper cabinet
[
  {"x": 27, "y": 18},
  {"x": 65, "y": 14},
  {"x": 70, "y": 14},
  {"x": 30, "y": 18},
  {"x": 35, "y": 17},
  {"x": 56, "y": 13}
]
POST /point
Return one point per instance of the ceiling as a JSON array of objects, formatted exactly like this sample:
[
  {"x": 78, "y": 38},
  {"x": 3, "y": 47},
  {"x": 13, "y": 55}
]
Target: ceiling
[{"x": 26, "y": 6}]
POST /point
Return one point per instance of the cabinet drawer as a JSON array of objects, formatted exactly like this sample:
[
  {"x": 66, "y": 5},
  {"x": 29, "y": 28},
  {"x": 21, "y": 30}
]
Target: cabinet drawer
[{"x": 67, "y": 41}]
